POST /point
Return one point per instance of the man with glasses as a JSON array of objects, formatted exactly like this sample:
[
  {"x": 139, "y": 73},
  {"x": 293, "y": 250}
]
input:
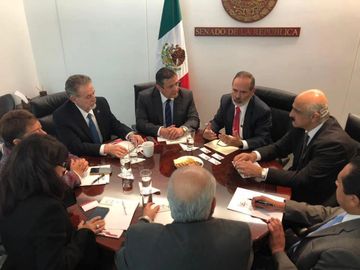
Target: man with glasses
[
  {"x": 245, "y": 117},
  {"x": 85, "y": 122},
  {"x": 166, "y": 110},
  {"x": 321, "y": 148}
]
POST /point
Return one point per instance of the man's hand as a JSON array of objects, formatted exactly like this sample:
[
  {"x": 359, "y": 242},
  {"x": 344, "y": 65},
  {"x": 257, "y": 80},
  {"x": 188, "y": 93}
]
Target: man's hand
[
  {"x": 277, "y": 236},
  {"x": 245, "y": 157},
  {"x": 136, "y": 139},
  {"x": 151, "y": 211},
  {"x": 248, "y": 168},
  {"x": 115, "y": 150},
  {"x": 171, "y": 132},
  {"x": 231, "y": 140},
  {"x": 79, "y": 166},
  {"x": 267, "y": 204},
  {"x": 209, "y": 134}
]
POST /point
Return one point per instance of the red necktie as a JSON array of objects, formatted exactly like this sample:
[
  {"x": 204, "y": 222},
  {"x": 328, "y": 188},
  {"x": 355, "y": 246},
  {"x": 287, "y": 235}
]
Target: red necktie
[{"x": 236, "y": 122}]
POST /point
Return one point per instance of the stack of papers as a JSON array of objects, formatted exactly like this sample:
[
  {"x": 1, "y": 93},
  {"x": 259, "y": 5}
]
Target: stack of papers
[
  {"x": 96, "y": 179},
  {"x": 176, "y": 141},
  {"x": 119, "y": 217},
  {"x": 241, "y": 202}
]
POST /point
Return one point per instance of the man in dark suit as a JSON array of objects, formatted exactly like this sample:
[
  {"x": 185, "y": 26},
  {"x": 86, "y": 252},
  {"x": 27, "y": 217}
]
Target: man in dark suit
[
  {"x": 194, "y": 240},
  {"x": 84, "y": 122},
  {"x": 333, "y": 235},
  {"x": 321, "y": 148},
  {"x": 246, "y": 118},
  {"x": 166, "y": 110}
]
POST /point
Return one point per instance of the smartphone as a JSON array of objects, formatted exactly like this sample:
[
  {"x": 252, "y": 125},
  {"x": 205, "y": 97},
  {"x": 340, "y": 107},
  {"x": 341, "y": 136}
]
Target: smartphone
[
  {"x": 97, "y": 211},
  {"x": 101, "y": 170}
]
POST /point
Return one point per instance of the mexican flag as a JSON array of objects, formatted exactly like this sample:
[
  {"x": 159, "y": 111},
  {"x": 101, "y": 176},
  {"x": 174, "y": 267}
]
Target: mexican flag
[{"x": 171, "y": 52}]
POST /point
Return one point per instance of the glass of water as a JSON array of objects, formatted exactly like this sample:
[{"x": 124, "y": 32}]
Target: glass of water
[
  {"x": 125, "y": 166},
  {"x": 190, "y": 139},
  {"x": 146, "y": 184}
]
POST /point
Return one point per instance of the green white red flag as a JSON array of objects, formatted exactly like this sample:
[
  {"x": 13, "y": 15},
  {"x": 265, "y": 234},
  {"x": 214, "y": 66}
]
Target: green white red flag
[{"x": 171, "y": 50}]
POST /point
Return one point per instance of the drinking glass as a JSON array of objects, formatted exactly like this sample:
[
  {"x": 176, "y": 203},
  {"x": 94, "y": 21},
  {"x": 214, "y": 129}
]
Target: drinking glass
[{"x": 190, "y": 139}]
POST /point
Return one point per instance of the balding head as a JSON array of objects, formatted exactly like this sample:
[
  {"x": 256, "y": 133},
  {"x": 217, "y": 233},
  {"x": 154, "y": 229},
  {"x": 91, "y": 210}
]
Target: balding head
[
  {"x": 191, "y": 193},
  {"x": 310, "y": 108}
]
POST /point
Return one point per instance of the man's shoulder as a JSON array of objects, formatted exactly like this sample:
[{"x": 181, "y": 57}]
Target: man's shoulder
[
  {"x": 65, "y": 108},
  {"x": 260, "y": 104}
]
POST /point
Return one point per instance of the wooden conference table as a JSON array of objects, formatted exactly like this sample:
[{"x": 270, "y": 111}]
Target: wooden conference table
[{"x": 161, "y": 164}]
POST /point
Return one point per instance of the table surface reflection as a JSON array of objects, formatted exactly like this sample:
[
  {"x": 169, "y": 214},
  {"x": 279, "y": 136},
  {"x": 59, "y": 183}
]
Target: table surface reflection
[{"x": 161, "y": 164}]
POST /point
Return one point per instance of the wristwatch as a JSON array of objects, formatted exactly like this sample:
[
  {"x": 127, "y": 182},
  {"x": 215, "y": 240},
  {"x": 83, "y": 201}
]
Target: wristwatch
[
  {"x": 185, "y": 129},
  {"x": 263, "y": 174}
]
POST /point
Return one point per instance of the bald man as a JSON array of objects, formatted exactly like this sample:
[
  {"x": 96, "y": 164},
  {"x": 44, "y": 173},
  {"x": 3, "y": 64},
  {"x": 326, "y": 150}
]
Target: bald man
[
  {"x": 321, "y": 148},
  {"x": 194, "y": 240}
]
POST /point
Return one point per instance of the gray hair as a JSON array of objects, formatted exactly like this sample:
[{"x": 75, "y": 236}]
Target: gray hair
[
  {"x": 73, "y": 83},
  {"x": 199, "y": 187}
]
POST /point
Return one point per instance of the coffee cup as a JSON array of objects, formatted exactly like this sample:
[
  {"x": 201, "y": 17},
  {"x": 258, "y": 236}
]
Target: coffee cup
[{"x": 147, "y": 149}]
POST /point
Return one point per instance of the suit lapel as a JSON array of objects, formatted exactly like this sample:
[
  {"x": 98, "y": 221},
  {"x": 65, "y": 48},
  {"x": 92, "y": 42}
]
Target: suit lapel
[
  {"x": 98, "y": 115},
  {"x": 247, "y": 121},
  {"x": 157, "y": 106},
  {"x": 177, "y": 108},
  {"x": 78, "y": 117}
]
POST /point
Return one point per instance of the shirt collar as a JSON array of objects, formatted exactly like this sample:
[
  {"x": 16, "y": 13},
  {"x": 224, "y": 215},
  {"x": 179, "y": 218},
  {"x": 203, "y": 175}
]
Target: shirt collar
[
  {"x": 311, "y": 133},
  {"x": 84, "y": 113},
  {"x": 243, "y": 107},
  {"x": 163, "y": 98},
  {"x": 349, "y": 217}
]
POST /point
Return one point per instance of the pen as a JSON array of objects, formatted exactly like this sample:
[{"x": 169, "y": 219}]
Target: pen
[
  {"x": 263, "y": 203},
  {"x": 98, "y": 178},
  {"x": 123, "y": 205}
]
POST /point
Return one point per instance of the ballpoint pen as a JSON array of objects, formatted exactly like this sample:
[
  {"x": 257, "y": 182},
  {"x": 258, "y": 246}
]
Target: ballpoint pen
[
  {"x": 98, "y": 178},
  {"x": 123, "y": 205},
  {"x": 262, "y": 202}
]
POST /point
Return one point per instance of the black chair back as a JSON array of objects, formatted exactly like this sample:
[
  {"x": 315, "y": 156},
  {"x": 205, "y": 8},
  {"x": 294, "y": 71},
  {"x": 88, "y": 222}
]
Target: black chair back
[
  {"x": 280, "y": 102},
  {"x": 140, "y": 87},
  {"x": 352, "y": 126},
  {"x": 44, "y": 106},
  {"x": 7, "y": 103}
]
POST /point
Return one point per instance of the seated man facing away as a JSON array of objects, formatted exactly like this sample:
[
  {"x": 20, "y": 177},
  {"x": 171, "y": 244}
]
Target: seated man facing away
[
  {"x": 194, "y": 240},
  {"x": 84, "y": 122},
  {"x": 333, "y": 235},
  {"x": 18, "y": 124},
  {"x": 166, "y": 110},
  {"x": 321, "y": 148},
  {"x": 245, "y": 117}
]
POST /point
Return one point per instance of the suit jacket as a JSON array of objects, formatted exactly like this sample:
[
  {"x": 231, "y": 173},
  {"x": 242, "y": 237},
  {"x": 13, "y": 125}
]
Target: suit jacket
[
  {"x": 257, "y": 121},
  {"x": 336, "y": 247},
  {"x": 312, "y": 176},
  {"x": 149, "y": 111},
  {"x": 38, "y": 235},
  {"x": 74, "y": 132},
  {"x": 212, "y": 244}
]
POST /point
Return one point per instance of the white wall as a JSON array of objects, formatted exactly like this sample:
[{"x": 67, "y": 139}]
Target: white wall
[
  {"x": 114, "y": 42},
  {"x": 17, "y": 66}
]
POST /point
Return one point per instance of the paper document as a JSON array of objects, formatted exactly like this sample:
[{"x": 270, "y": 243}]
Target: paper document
[
  {"x": 221, "y": 147},
  {"x": 95, "y": 179},
  {"x": 241, "y": 202},
  {"x": 119, "y": 217},
  {"x": 176, "y": 141},
  {"x": 164, "y": 214}
]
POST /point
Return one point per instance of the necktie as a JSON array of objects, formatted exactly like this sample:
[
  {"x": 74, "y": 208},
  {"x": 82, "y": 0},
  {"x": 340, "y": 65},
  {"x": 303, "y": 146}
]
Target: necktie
[
  {"x": 302, "y": 154},
  {"x": 94, "y": 133},
  {"x": 236, "y": 122},
  {"x": 168, "y": 117},
  {"x": 335, "y": 220}
]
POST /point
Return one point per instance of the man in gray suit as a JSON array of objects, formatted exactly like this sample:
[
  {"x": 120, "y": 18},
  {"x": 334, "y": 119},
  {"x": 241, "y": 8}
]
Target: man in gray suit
[
  {"x": 166, "y": 110},
  {"x": 333, "y": 235},
  {"x": 194, "y": 240}
]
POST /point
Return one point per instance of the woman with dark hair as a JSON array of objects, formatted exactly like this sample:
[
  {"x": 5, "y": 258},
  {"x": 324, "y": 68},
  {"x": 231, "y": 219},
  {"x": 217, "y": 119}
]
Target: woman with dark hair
[{"x": 35, "y": 227}]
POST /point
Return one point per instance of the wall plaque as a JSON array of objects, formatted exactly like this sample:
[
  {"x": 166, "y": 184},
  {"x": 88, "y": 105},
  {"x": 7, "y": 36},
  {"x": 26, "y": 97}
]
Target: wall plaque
[
  {"x": 248, "y": 10},
  {"x": 248, "y": 31}
]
